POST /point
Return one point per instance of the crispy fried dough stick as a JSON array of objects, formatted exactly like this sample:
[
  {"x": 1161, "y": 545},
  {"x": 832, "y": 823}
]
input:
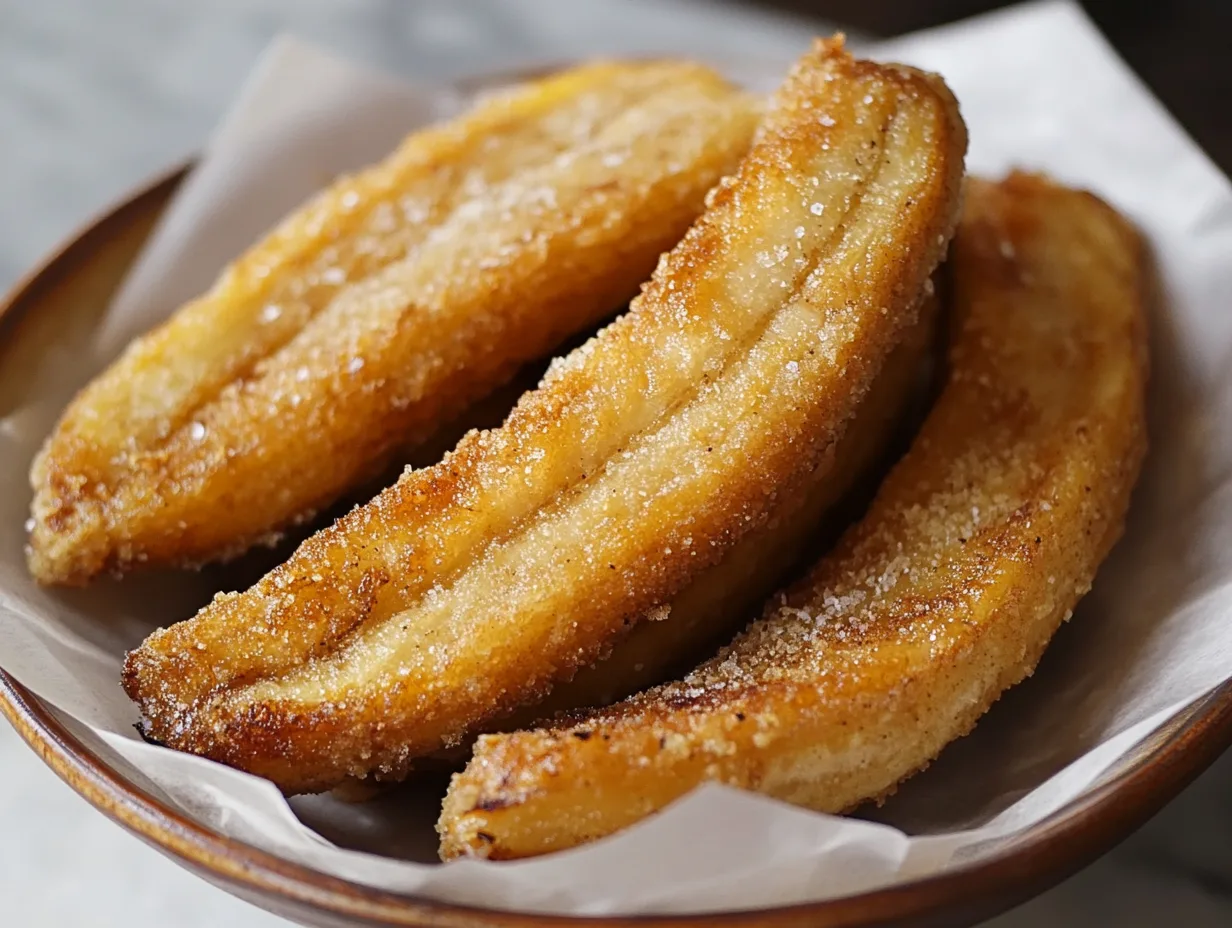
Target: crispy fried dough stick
[
  {"x": 978, "y": 545},
  {"x": 468, "y": 588},
  {"x": 379, "y": 312}
]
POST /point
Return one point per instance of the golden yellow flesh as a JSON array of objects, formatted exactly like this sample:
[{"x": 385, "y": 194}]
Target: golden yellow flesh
[
  {"x": 380, "y": 311},
  {"x": 978, "y": 545},
  {"x": 467, "y": 588}
]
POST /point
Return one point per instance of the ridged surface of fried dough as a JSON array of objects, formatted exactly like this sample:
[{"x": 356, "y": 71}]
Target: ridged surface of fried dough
[
  {"x": 380, "y": 311},
  {"x": 978, "y": 545},
  {"x": 468, "y": 588}
]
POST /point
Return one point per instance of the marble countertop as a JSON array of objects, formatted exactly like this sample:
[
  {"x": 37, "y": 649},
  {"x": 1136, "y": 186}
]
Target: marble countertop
[{"x": 95, "y": 97}]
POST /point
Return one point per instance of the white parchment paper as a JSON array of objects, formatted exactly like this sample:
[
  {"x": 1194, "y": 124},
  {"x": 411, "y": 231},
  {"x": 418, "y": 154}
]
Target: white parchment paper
[{"x": 1039, "y": 89}]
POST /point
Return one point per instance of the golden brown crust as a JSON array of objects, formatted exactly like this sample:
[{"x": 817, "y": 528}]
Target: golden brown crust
[
  {"x": 378, "y": 312},
  {"x": 467, "y": 588},
  {"x": 978, "y": 545}
]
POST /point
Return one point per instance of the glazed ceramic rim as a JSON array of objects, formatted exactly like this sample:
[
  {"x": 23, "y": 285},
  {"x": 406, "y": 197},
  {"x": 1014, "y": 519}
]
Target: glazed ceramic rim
[{"x": 1064, "y": 842}]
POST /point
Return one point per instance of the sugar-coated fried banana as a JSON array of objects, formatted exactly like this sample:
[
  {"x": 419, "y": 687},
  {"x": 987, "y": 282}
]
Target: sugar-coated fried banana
[
  {"x": 677, "y": 636},
  {"x": 976, "y": 548},
  {"x": 721, "y": 599},
  {"x": 468, "y": 588},
  {"x": 380, "y": 311}
]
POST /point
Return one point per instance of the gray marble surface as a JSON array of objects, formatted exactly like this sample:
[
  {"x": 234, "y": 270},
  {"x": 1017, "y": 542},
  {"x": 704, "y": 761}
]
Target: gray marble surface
[{"x": 94, "y": 96}]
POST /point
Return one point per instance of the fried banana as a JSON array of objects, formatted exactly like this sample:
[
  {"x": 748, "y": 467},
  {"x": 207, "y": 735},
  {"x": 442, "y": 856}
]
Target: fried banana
[
  {"x": 719, "y": 601},
  {"x": 466, "y": 589},
  {"x": 677, "y": 636},
  {"x": 977, "y": 547},
  {"x": 380, "y": 311}
]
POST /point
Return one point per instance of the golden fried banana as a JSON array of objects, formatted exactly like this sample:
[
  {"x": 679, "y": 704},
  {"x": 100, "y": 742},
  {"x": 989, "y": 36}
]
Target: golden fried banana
[
  {"x": 721, "y": 599},
  {"x": 978, "y": 545},
  {"x": 379, "y": 312},
  {"x": 468, "y": 588},
  {"x": 677, "y": 636}
]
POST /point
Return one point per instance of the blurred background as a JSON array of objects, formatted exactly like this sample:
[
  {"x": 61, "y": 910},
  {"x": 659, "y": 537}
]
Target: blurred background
[{"x": 96, "y": 95}]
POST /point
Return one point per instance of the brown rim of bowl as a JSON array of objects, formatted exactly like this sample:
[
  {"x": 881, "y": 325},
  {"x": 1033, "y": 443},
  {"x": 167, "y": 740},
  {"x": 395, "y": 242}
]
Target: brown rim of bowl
[{"x": 1064, "y": 842}]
